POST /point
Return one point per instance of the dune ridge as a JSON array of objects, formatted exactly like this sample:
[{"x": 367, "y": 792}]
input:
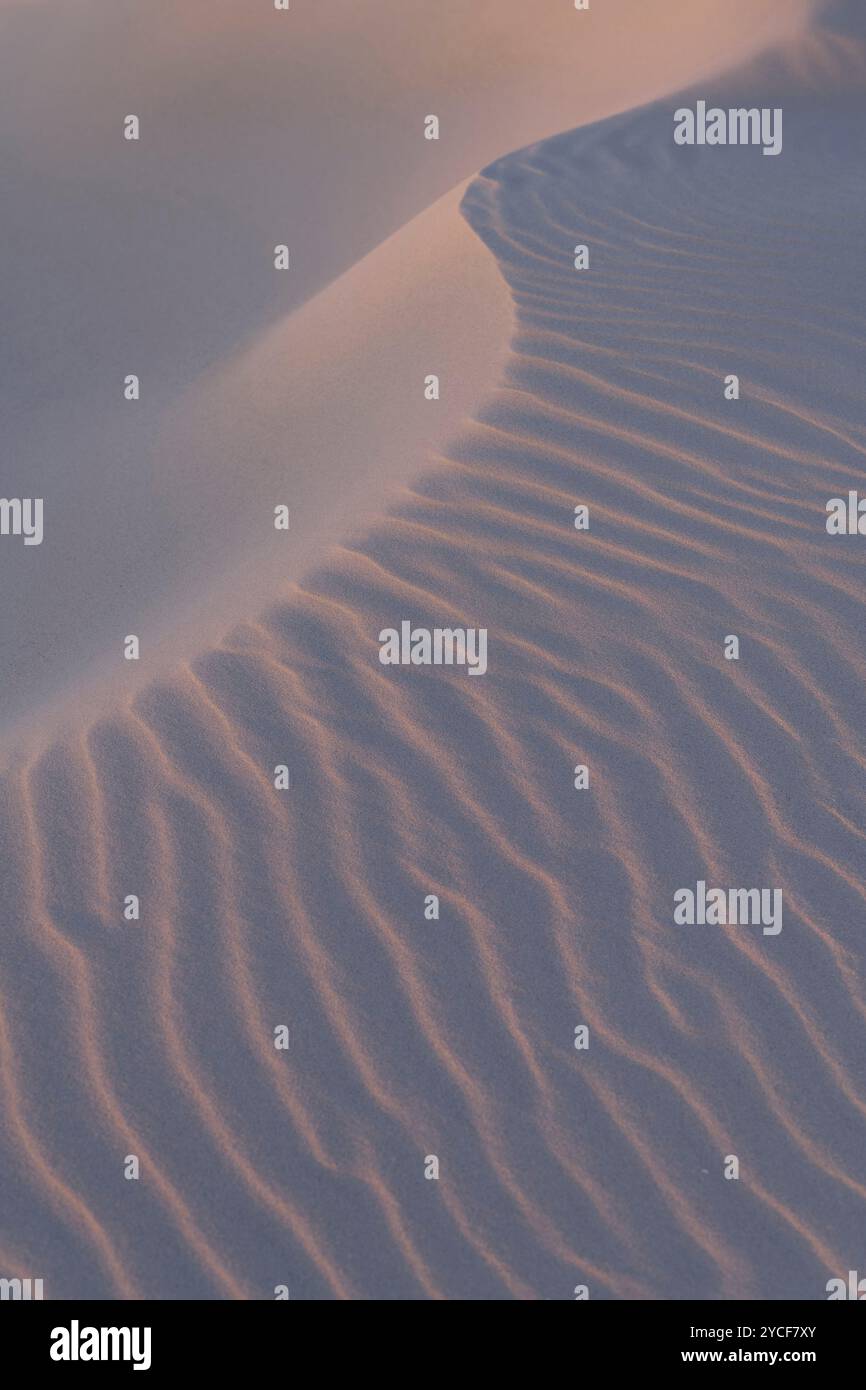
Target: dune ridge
[
  {"x": 156, "y": 258},
  {"x": 454, "y": 1037}
]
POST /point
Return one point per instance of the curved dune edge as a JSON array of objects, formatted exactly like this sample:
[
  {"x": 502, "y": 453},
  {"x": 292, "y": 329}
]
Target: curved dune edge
[
  {"x": 323, "y": 410},
  {"x": 325, "y": 413},
  {"x": 165, "y": 262},
  {"x": 410, "y": 1038}
]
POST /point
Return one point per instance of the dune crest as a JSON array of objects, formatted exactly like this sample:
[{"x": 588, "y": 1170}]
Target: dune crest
[{"x": 155, "y": 258}]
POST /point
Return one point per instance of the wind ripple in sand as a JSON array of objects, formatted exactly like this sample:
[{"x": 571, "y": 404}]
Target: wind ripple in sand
[{"x": 411, "y": 1038}]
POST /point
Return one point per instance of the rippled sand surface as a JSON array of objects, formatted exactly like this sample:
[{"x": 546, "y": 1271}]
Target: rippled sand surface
[{"x": 454, "y": 1037}]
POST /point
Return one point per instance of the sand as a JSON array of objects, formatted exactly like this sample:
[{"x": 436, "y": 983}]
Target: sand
[{"x": 411, "y": 1037}]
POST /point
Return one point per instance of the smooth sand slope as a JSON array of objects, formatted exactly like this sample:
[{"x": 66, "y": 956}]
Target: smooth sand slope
[
  {"x": 324, "y": 413},
  {"x": 454, "y": 1038}
]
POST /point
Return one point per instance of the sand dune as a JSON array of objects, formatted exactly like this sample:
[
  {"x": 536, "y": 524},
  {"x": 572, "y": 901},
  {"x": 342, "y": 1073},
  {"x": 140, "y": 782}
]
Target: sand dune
[
  {"x": 454, "y": 1038},
  {"x": 324, "y": 413},
  {"x": 156, "y": 258}
]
